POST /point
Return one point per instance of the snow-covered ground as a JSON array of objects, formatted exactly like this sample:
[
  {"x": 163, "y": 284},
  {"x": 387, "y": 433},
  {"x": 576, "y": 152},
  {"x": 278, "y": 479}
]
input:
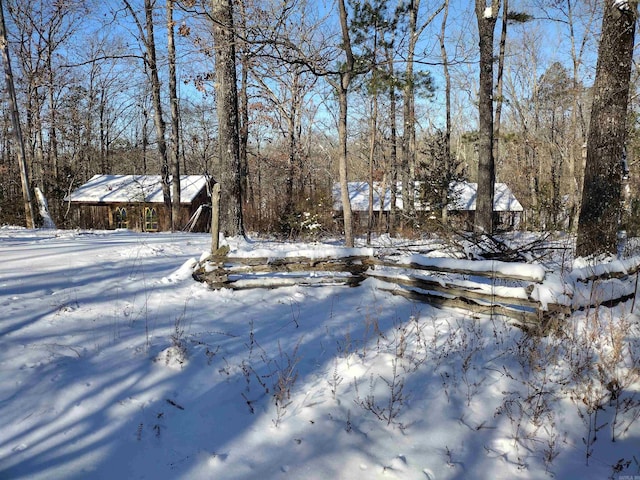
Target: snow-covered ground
[{"x": 114, "y": 363}]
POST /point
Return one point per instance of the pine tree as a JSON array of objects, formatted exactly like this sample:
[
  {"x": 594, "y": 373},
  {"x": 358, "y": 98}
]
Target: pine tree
[{"x": 487, "y": 17}]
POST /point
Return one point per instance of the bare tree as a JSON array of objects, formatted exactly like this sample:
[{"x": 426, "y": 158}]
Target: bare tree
[
  {"x": 342, "y": 88},
  {"x": 409, "y": 109},
  {"x": 175, "y": 120},
  {"x": 600, "y": 212},
  {"x": 578, "y": 123},
  {"x": 151, "y": 61},
  {"x": 447, "y": 94},
  {"x": 15, "y": 120},
  {"x": 227, "y": 109}
]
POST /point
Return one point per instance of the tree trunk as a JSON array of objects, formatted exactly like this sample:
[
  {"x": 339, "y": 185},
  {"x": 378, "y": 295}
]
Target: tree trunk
[
  {"x": 175, "y": 121},
  {"x": 292, "y": 115},
  {"x": 500, "y": 83},
  {"x": 601, "y": 198},
  {"x": 342, "y": 90},
  {"x": 103, "y": 135},
  {"x": 151, "y": 58},
  {"x": 393, "y": 160},
  {"x": 15, "y": 121},
  {"x": 409, "y": 116},
  {"x": 53, "y": 127},
  {"x": 227, "y": 108},
  {"x": 373, "y": 139},
  {"x": 486, "y": 17},
  {"x": 243, "y": 105},
  {"x": 447, "y": 102},
  {"x": 578, "y": 129},
  {"x": 342, "y": 168}
]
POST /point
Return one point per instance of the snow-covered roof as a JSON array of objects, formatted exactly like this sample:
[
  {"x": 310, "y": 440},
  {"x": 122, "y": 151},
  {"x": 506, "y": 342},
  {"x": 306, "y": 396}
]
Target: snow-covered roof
[
  {"x": 359, "y": 197},
  {"x": 134, "y": 188},
  {"x": 463, "y": 197}
]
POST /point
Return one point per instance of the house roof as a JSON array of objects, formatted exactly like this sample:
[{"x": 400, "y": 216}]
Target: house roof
[
  {"x": 104, "y": 189},
  {"x": 463, "y": 193},
  {"x": 359, "y": 197}
]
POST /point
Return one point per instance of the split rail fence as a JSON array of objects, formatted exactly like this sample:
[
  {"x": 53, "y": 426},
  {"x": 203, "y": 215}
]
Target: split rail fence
[{"x": 527, "y": 293}]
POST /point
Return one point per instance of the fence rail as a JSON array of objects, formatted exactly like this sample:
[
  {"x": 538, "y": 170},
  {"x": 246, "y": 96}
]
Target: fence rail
[{"x": 527, "y": 293}]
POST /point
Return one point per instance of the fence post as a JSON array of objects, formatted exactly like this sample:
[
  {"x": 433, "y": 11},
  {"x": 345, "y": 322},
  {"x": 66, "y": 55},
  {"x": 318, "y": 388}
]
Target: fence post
[{"x": 215, "y": 218}]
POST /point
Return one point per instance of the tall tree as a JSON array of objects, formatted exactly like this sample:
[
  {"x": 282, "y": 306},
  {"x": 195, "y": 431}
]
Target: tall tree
[
  {"x": 447, "y": 96},
  {"x": 227, "y": 108},
  {"x": 341, "y": 86},
  {"x": 151, "y": 61},
  {"x": 393, "y": 131},
  {"x": 175, "y": 121},
  {"x": 600, "y": 212},
  {"x": 487, "y": 15},
  {"x": 499, "y": 80},
  {"x": 578, "y": 123},
  {"x": 409, "y": 106},
  {"x": 15, "y": 120}
]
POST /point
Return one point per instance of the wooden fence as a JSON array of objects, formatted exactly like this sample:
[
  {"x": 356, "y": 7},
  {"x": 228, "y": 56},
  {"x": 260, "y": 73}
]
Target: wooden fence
[{"x": 526, "y": 293}]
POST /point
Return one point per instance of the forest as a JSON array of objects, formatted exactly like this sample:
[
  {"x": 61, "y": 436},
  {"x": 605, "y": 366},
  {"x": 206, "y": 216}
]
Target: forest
[
  {"x": 313, "y": 93},
  {"x": 318, "y": 331}
]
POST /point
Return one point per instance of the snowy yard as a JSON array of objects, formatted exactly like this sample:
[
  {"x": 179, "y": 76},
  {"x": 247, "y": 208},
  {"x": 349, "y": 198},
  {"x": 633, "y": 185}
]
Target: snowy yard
[{"x": 116, "y": 364}]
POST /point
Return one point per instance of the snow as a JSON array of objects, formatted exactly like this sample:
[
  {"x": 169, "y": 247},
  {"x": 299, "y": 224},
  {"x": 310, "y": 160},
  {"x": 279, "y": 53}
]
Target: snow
[
  {"x": 134, "y": 188},
  {"x": 463, "y": 195},
  {"x": 43, "y": 208},
  {"x": 533, "y": 272},
  {"x": 116, "y": 364},
  {"x": 359, "y": 197},
  {"x": 622, "y": 5}
]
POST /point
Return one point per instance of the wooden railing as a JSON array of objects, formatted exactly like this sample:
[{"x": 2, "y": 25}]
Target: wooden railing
[{"x": 524, "y": 292}]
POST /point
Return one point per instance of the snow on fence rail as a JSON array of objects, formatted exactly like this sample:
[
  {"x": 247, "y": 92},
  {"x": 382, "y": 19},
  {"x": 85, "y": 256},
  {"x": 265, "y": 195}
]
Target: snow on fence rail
[
  {"x": 525, "y": 292},
  {"x": 266, "y": 269}
]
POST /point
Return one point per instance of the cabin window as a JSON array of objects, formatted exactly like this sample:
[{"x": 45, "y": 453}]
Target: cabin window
[
  {"x": 150, "y": 219},
  {"x": 121, "y": 218}
]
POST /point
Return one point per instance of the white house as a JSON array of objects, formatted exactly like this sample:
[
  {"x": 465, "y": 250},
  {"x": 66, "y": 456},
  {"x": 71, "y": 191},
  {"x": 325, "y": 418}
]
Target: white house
[{"x": 461, "y": 208}]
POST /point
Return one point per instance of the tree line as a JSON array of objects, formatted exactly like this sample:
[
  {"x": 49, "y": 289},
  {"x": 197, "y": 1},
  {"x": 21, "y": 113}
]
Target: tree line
[{"x": 279, "y": 100}]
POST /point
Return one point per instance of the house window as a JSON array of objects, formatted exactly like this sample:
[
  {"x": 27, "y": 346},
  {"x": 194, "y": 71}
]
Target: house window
[
  {"x": 121, "y": 218},
  {"x": 150, "y": 219}
]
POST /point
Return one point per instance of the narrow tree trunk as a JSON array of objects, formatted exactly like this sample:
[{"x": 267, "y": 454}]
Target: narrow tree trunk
[
  {"x": 175, "y": 122},
  {"x": 342, "y": 90},
  {"x": 215, "y": 218},
  {"x": 145, "y": 139},
  {"x": 151, "y": 58},
  {"x": 243, "y": 105},
  {"x": 447, "y": 102},
  {"x": 342, "y": 169},
  {"x": 53, "y": 130},
  {"x": 102, "y": 123},
  {"x": 292, "y": 117},
  {"x": 499, "y": 82},
  {"x": 409, "y": 116},
  {"x": 15, "y": 121},
  {"x": 601, "y": 198},
  {"x": 372, "y": 151},
  {"x": 38, "y": 173},
  {"x": 393, "y": 160}
]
